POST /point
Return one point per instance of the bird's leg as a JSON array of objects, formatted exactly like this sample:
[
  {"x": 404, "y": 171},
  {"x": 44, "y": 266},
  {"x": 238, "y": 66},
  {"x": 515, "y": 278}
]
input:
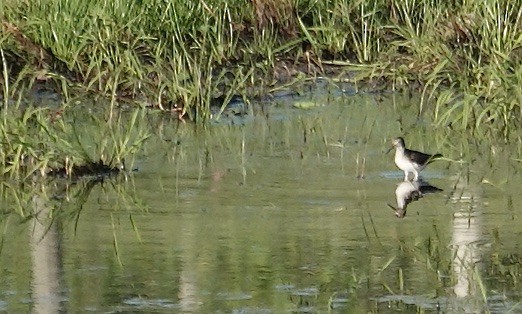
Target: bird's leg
[
  {"x": 416, "y": 176},
  {"x": 405, "y": 175}
]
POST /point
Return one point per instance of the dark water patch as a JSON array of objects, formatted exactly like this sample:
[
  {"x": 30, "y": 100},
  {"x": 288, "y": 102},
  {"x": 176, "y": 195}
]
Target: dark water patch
[
  {"x": 89, "y": 170},
  {"x": 412, "y": 302}
]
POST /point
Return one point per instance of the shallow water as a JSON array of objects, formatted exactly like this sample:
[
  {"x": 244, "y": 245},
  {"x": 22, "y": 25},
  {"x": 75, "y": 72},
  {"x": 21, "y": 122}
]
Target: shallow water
[{"x": 286, "y": 213}]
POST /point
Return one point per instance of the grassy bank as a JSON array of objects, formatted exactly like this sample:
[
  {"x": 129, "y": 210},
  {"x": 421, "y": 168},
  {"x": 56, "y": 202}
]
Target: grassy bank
[{"x": 464, "y": 56}]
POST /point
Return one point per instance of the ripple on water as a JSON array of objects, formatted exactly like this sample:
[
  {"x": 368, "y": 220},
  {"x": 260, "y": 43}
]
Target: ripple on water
[
  {"x": 340, "y": 301},
  {"x": 399, "y": 175},
  {"x": 470, "y": 304},
  {"x": 305, "y": 299},
  {"x": 500, "y": 304},
  {"x": 248, "y": 310},
  {"x": 284, "y": 288},
  {"x": 416, "y": 300},
  {"x": 142, "y": 303},
  {"x": 310, "y": 291},
  {"x": 234, "y": 296},
  {"x": 3, "y": 305}
]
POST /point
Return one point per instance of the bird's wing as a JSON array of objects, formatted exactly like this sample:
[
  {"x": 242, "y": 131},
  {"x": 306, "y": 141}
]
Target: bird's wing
[{"x": 418, "y": 157}]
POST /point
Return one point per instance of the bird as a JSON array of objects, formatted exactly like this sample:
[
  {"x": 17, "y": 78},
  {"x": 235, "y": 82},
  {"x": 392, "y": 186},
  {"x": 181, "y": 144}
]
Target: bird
[{"x": 410, "y": 160}]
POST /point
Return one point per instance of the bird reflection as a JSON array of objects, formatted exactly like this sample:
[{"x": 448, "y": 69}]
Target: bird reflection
[{"x": 410, "y": 191}]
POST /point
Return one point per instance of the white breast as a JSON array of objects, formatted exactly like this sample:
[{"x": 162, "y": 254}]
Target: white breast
[{"x": 404, "y": 163}]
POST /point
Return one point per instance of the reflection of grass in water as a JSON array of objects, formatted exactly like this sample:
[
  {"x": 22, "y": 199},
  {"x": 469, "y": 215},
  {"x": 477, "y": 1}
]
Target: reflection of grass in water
[
  {"x": 67, "y": 199},
  {"x": 64, "y": 202},
  {"x": 35, "y": 140},
  {"x": 445, "y": 270}
]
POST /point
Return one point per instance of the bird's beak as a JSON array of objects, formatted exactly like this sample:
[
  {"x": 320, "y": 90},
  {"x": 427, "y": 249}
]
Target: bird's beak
[
  {"x": 392, "y": 207},
  {"x": 391, "y": 148}
]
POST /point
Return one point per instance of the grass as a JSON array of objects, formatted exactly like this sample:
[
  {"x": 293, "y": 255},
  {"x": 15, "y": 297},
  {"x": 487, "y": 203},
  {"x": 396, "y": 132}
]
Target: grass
[{"x": 463, "y": 56}]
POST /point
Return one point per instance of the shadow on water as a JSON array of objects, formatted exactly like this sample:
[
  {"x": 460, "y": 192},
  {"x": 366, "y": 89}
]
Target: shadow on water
[{"x": 284, "y": 213}]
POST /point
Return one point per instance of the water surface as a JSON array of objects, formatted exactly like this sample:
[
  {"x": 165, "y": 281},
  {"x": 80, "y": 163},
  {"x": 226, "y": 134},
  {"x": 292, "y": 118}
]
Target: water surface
[{"x": 288, "y": 212}]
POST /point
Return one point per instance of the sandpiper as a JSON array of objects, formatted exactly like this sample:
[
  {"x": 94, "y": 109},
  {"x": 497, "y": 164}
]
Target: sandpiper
[{"x": 409, "y": 160}]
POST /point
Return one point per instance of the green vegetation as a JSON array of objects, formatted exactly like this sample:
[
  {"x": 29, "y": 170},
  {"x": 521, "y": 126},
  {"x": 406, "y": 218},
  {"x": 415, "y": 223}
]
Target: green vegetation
[
  {"x": 43, "y": 140},
  {"x": 464, "y": 56}
]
